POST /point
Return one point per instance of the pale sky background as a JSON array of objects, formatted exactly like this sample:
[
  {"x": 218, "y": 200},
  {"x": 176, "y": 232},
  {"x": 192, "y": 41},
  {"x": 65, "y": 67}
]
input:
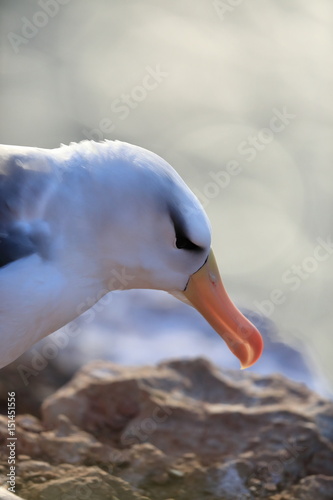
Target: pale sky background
[{"x": 197, "y": 84}]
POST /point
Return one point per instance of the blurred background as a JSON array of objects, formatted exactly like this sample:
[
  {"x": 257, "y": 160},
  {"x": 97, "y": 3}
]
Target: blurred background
[{"x": 237, "y": 96}]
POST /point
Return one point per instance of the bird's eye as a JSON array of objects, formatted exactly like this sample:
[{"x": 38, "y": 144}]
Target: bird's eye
[{"x": 186, "y": 244}]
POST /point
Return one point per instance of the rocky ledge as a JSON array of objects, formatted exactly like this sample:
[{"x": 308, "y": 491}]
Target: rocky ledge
[{"x": 182, "y": 430}]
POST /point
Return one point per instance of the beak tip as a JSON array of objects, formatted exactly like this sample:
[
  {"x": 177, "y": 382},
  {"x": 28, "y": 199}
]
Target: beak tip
[{"x": 254, "y": 351}]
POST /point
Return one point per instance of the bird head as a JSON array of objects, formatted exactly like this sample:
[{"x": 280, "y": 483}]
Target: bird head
[{"x": 165, "y": 244}]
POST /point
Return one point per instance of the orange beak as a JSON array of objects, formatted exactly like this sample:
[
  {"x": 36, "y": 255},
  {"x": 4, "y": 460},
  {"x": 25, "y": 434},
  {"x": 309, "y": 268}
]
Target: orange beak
[{"x": 206, "y": 293}]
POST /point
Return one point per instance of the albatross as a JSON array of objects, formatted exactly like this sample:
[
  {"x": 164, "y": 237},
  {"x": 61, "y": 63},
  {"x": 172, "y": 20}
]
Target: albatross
[{"x": 83, "y": 220}]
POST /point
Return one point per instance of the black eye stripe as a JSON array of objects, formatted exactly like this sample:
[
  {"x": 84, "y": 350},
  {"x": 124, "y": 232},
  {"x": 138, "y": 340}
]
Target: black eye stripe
[
  {"x": 186, "y": 244},
  {"x": 182, "y": 241}
]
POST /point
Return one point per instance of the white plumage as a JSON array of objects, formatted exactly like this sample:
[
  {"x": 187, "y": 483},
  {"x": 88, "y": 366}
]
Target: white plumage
[{"x": 86, "y": 219}]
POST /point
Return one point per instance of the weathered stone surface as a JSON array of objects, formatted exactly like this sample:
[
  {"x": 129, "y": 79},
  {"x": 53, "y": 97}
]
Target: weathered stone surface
[
  {"x": 66, "y": 481},
  {"x": 309, "y": 488},
  {"x": 7, "y": 495},
  {"x": 31, "y": 381},
  {"x": 181, "y": 430}
]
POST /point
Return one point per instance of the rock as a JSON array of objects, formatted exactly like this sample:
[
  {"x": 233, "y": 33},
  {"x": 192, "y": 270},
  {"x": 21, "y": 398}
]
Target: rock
[
  {"x": 177, "y": 431},
  {"x": 309, "y": 488},
  {"x": 24, "y": 376},
  {"x": 66, "y": 482},
  {"x": 7, "y": 495}
]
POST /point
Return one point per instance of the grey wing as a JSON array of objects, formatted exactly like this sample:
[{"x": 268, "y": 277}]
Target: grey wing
[{"x": 22, "y": 190}]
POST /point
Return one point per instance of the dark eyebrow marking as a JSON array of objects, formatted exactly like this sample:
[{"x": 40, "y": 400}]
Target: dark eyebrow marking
[{"x": 182, "y": 240}]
